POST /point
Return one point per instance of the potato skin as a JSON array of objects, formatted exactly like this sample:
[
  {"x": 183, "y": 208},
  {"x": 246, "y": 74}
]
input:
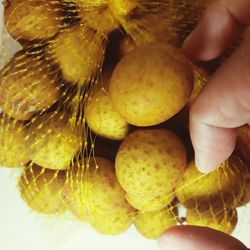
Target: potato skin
[
  {"x": 150, "y": 204},
  {"x": 27, "y": 85},
  {"x": 151, "y": 84},
  {"x": 42, "y": 189},
  {"x": 32, "y": 19},
  {"x": 14, "y": 150},
  {"x": 150, "y": 162},
  {"x": 53, "y": 141},
  {"x": 201, "y": 77},
  {"x": 220, "y": 219},
  {"x": 100, "y": 19},
  {"x": 79, "y": 52},
  {"x": 122, "y": 8},
  {"x": 243, "y": 144},
  {"x": 246, "y": 192},
  {"x": 93, "y": 191},
  {"x": 242, "y": 150},
  {"x": 205, "y": 191},
  {"x": 152, "y": 224},
  {"x": 114, "y": 223},
  {"x": 101, "y": 116}
]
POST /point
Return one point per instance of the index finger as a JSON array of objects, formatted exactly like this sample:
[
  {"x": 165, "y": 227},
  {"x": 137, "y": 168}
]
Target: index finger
[{"x": 221, "y": 23}]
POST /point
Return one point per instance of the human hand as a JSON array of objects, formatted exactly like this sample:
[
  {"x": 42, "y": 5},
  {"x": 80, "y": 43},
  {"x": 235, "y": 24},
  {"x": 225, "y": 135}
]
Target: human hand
[
  {"x": 224, "y": 104},
  {"x": 197, "y": 238}
]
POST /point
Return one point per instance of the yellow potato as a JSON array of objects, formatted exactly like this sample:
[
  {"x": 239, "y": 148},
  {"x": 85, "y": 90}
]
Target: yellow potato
[
  {"x": 246, "y": 191},
  {"x": 94, "y": 189},
  {"x": 122, "y": 8},
  {"x": 42, "y": 189},
  {"x": 150, "y": 162},
  {"x": 13, "y": 145},
  {"x": 151, "y": 84},
  {"x": 54, "y": 141},
  {"x": 243, "y": 151},
  {"x": 200, "y": 79},
  {"x": 139, "y": 19},
  {"x": 99, "y": 19},
  {"x": 150, "y": 204},
  {"x": 101, "y": 116},
  {"x": 27, "y": 85},
  {"x": 79, "y": 52},
  {"x": 204, "y": 191},
  {"x": 32, "y": 19},
  {"x": 126, "y": 45},
  {"x": 243, "y": 144},
  {"x": 73, "y": 196},
  {"x": 88, "y": 4},
  {"x": 114, "y": 223},
  {"x": 221, "y": 219},
  {"x": 152, "y": 224}
]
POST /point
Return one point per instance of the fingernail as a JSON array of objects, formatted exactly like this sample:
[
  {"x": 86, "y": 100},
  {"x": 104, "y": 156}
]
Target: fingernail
[{"x": 203, "y": 164}]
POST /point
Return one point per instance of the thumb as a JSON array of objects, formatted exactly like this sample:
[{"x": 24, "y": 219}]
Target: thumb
[
  {"x": 196, "y": 238},
  {"x": 223, "y": 105}
]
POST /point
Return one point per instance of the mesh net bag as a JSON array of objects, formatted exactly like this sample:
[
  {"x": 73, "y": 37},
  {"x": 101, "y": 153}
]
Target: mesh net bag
[{"x": 58, "y": 123}]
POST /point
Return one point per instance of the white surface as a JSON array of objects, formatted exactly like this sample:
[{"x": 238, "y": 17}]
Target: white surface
[{"x": 22, "y": 229}]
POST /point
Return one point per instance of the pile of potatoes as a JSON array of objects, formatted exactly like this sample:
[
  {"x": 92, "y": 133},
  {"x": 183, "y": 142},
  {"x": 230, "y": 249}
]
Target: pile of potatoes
[{"x": 95, "y": 110}]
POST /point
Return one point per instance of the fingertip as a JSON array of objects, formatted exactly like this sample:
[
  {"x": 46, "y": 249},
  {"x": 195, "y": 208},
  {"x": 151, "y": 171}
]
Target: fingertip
[
  {"x": 212, "y": 147},
  {"x": 169, "y": 239},
  {"x": 207, "y": 163},
  {"x": 208, "y": 40},
  {"x": 195, "y": 45},
  {"x": 194, "y": 237}
]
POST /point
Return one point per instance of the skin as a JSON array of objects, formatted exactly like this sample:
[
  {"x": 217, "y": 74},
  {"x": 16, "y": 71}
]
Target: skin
[
  {"x": 221, "y": 107},
  {"x": 197, "y": 238}
]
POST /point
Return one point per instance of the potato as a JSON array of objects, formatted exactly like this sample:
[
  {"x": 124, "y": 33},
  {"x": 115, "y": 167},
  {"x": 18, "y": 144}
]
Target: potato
[
  {"x": 122, "y": 8},
  {"x": 32, "y": 19},
  {"x": 113, "y": 223},
  {"x": 220, "y": 219},
  {"x": 152, "y": 224},
  {"x": 101, "y": 116},
  {"x": 126, "y": 45},
  {"x": 90, "y": 4},
  {"x": 150, "y": 71},
  {"x": 200, "y": 79},
  {"x": 54, "y": 141},
  {"x": 150, "y": 204},
  {"x": 73, "y": 196},
  {"x": 13, "y": 144},
  {"x": 140, "y": 22},
  {"x": 27, "y": 86},
  {"x": 99, "y": 19},
  {"x": 246, "y": 191},
  {"x": 94, "y": 189},
  {"x": 79, "y": 52},
  {"x": 243, "y": 151},
  {"x": 205, "y": 191},
  {"x": 42, "y": 189},
  {"x": 243, "y": 144},
  {"x": 150, "y": 162}
]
